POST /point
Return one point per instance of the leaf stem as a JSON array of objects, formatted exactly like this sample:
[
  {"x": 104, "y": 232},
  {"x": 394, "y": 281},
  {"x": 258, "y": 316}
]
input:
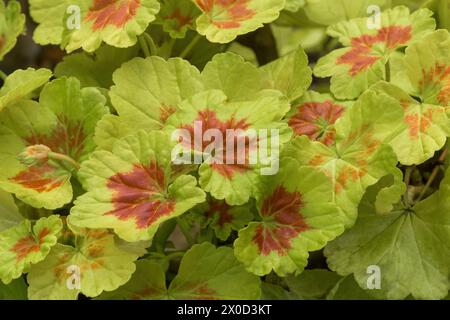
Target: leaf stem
[
  {"x": 433, "y": 175},
  {"x": 184, "y": 227},
  {"x": 151, "y": 44},
  {"x": 163, "y": 234},
  {"x": 63, "y": 158},
  {"x": 408, "y": 173},
  {"x": 174, "y": 255},
  {"x": 3, "y": 75},
  {"x": 388, "y": 71},
  {"x": 190, "y": 46},
  {"x": 144, "y": 46}
]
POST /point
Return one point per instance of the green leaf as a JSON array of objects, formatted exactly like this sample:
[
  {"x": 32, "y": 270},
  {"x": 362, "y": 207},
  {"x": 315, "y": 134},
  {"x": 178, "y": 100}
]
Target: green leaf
[
  {"x": 359, "y": 156},
  {"x": 294, "y": 5},
  {"x": 109, "y": 130},
  {"x": 230, "y": 73},
  {"x": 426, "y": 127},
  {"x": 64, "y": 122},
  {"x": 148, "y": 91},
  {"x": 410, "y": 246},
  {"x": 313, "y": 284},
  {"x": 9, "y": 213},
  {"x": 289, "y": 74},
  {"x": 348, "y": 289},
  {"x": 26, "y": 244},
  {"x": 271, "y": 291},
  {"x": 95, "y": 259},
  {"x": 218, "y": 275},
  {"x": 96, "y": 69},
  {"x": 226, "y": 175},
  {"x": 12, "y": 23},
  {"x": 177, "y": 17},
  {"x": 362, "y": 61},
  {"x": 21, "y": 84},
  {"x": 329, "y": 12},
  {"x": 298, "y": 216},
  {"x": 222, "y": 21},
  {"x": 16, "y": 290},
  {"x": 133, "y": 189}
]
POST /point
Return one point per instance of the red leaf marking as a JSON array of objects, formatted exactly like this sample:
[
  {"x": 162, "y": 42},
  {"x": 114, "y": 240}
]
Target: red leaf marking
[
  {"x": 418, "y": 124},
  {"x": 209, "y": 120},
  {"x": 139, "y": 195},
  {"x": 201, "y": 291},
  {"x": 222, "y": 209},
  {"x": 165, "y": 112},
  {"x": 181, "y": 19},
  {"x": 359, "y": 57},
  {"x": 284, "y": 208},
  {"x": 112, "y": 12},
  {"x": 237, "y": 11},
  {"x": 145, "y": 293},
  {"x": 68, "y": 138},
  {"x": 317, "y": 160},
  {"x": 316, "y": 120},
  {"x": 438, "y": 76},
  {"x": 29, "y": 244},
  {"x": 40, "y": 179}
]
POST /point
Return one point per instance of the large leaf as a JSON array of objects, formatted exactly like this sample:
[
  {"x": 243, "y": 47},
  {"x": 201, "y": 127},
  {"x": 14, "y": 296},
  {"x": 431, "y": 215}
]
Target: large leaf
[
  {"x": 223, "y": 20},
  {"x": 12, "y": 22},
  {"x": 358, "y": 157},
  {"x": 95, "y": 259},
  {"x": 16, "y": 290},
  {"x": 64, "y": 122},
  {"x": 134, "y": 188},
  {"x": 148, "y": 91},
  {"x": 409, "y": 245},
  {"x": 362, "y": 62},
  {"x": 297, "y": 216},
  {"x": 218, "y": 276},
  {"x": 21, "y": 84},
  {"x": 9, "y": 213},
  {"x": 26, "y": 244},
  {"x": 227, "y": 172}
]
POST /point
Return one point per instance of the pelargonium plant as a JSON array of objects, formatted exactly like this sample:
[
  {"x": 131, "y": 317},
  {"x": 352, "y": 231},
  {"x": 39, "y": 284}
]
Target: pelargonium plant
[{"x": 226, "y": 149}]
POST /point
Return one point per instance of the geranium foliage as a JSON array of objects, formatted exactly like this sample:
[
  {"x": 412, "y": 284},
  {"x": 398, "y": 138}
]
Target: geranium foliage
[{"x": 224, "y": 149}]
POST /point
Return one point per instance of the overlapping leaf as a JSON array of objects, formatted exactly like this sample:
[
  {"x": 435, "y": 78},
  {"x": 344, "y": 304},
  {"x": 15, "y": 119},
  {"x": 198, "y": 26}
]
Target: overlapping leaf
[
  {"x": 63, "y": 123},
  {"x": 87, "y": 23},
  {"x": 298, "y": 216},
  {"x": 367, "y": 50},
  {"x": 177, "y": 17},
  {"x": 148, "y": 91},
  {"x": 12, "y": 22},
  {"x": 134, "y": 188},
  {"x": 25, "y": 244},
  {"x": 223, "y": 20},
  {"x": 94, "y": 265},
  {"x": 409, "y": 245},
  {"x": 227, "y": 169},
  {"x": 358, "y": 157},
  {"x": 218, "y": 276},
  {"x": 21, "y": 84},
  {"x": 9, "y": 213}
]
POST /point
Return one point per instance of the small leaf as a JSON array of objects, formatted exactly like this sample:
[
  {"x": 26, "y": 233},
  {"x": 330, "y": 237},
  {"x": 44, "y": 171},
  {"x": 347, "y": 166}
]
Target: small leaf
[
  {"x": 9, "y": 213},
  {"x": 177, "y": 17},
  {"x": 24, "y": 244},
  {"x": 223, "y": 20},
  {"x": 12, "y": 23},
  {"x": 16, "y": 290}
]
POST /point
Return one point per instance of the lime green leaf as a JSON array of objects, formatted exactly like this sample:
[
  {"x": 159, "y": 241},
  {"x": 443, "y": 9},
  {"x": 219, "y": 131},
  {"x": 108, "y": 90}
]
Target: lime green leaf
[
  {"x": 16, "y": 290},
  {"x": 229, "y": 72},
  {"x": 362, "y": 62},
  {"x": 64, "y": 122},
  {"x": 95, "y": 70},
  {"x": 218, "y": 275},
  {"x": 147, "y": 283},
  {"x": 271, "y": 291},
  {"x": 410, "y": 246},
  {"x": 226, "y": 175},
  {"x": 294, "y": 5},
  {"x": 427, "y": 69},
  {"x": 358, "y": 158},
  {"x": 426, "y": 131},
  {"x": 289, "y": 74},
  {"x": 314, "y": 115},
  {"x": 298, "y": 216},
  {"x": 21, "y": 84},
  {"x": 9, "y": 213},
  {"x": 148, "y": 91},
  {"x": 177, "y": 17},
  {"x": 313, "y": 284},
  {"x": 110, "y": 129},
  {"x": 12, "y": 23},
  {"x": 223, "y": 20},
  {"x": 328, "y": 12},
  {"x": 132, "y": 189},
  {"x": 24, "y": 244},
  {"x": 95, "y": 259}
]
